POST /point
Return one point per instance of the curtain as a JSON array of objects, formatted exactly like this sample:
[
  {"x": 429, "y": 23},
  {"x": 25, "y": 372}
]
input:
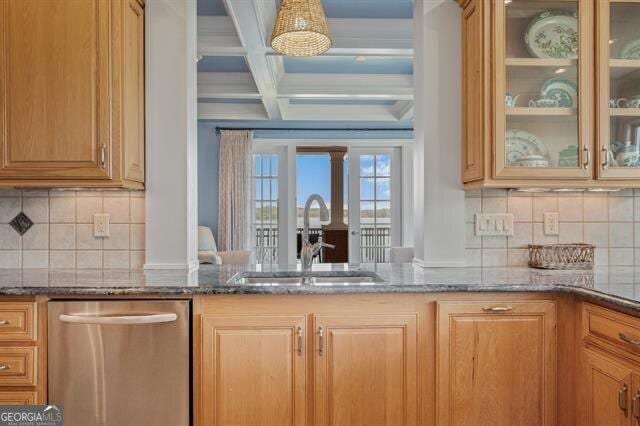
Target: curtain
[{"x": 234, "y": 200}]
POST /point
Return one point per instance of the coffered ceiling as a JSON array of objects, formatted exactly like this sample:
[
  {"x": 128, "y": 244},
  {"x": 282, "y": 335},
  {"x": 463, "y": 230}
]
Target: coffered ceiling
[{"x": 366, "y": 76}]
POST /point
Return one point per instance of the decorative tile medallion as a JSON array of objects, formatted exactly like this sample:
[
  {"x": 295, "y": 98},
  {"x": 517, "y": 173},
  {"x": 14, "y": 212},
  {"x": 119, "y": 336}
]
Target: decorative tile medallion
[{"x": 21, "y": 223}]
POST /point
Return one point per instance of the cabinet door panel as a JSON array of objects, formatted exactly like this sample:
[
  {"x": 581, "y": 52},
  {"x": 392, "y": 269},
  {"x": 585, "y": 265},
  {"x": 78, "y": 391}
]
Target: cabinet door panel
[
  {"x": 496, "y": 368},
  {"x": 55, "y": 97},
  {"x": 608, "y": 387},
  {"x": 365, "y": 370},
  {"x": 253, "y": 370},
  {"x": 474, "y": 105}
]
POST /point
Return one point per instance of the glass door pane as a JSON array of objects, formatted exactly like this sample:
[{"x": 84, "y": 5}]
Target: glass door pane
[
  {"x": 620, "y": 103},
  {"x": 539, "y": 71},
  {"x": 373, "y": 204},
  {"x": 265, "y": 215}
]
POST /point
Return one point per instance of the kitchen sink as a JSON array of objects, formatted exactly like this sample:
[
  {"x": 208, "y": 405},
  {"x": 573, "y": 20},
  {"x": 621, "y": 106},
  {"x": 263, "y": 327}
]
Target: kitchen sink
[{"x": 298, "y": 278}]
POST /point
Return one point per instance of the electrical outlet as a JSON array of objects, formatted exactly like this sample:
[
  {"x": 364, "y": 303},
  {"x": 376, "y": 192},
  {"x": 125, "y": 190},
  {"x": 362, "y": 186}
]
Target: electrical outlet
[
  {"x": 550, "y": 223},
  {"x": 495, "y": 224},
  {"x": 100, "y": 225}
]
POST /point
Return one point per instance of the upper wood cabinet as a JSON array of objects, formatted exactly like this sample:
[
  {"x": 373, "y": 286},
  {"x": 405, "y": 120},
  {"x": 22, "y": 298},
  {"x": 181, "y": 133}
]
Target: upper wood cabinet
[
  {"x": 496, "y": 363},
  {"x": 531, "y": 117},
  {"x": 72, "y": 93},
  {"x": 365, "y": 370}
]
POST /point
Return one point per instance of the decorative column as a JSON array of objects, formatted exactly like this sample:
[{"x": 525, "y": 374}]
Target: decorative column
[{"x": 336, "y": 232}]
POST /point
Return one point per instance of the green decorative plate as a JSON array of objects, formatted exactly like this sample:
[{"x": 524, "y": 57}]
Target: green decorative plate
[
  {"x": 631, "y": 50},
  {"x": 520, "y": 143},
  {"x": 563, "y": 90},
  {"x": 553, "y": 34}
]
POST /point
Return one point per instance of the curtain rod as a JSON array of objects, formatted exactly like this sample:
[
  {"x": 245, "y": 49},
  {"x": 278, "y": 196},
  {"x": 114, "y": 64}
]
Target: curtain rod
[{"x": 218, "y": 129}]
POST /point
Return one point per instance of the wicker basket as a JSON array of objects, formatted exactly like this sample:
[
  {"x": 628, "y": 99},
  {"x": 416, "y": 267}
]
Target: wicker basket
[{"x": 561, "y": 256}]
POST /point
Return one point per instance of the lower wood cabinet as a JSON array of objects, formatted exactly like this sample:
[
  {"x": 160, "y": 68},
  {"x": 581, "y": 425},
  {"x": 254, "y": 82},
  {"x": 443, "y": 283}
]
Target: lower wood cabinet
[
  {"x": 365, "y": 370},
  {"x": 496, "y": 363},
  {"x": 609, "y": 387},
  {"x": 253, "y": 370}
]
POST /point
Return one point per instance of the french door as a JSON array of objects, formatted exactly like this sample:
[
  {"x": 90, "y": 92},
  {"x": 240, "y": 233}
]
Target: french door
[{"x": 374, "y": 203}]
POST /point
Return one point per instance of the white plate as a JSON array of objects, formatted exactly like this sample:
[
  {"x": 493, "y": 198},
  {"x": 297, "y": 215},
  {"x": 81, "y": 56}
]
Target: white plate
[
  {"x": 520, "y": 143},
  {"x": 553, "y": 34},
  {"x": 565, "y": 91}
]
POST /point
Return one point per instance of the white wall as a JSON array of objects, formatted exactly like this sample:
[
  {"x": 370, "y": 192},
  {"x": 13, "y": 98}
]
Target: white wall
[
  {"x": 439, "y": 199},
  {"x": 171, "y": 126}
]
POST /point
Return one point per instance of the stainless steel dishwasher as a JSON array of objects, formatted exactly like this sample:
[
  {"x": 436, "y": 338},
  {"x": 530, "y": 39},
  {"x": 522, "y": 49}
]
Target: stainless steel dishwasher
[{"x": 120, "y": 363}]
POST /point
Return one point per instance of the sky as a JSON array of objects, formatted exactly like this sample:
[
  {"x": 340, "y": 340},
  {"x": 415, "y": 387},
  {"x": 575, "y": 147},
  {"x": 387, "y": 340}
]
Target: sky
[{"x": 313, "y": 175}]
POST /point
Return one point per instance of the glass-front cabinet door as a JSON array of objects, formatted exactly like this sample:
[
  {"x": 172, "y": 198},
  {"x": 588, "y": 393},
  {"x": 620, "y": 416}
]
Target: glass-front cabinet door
[
  {"x": 618, "y": 87},
  {"x": 543, "y": 64}
]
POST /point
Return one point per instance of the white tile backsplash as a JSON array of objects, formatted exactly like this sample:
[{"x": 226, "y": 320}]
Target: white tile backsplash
[
  {"x": 605, "y": 220},
  {"x": 62, "y": 234}
]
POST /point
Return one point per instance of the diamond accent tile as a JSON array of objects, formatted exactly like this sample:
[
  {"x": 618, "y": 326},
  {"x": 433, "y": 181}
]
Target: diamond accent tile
[{"x": 21, "y": 223}]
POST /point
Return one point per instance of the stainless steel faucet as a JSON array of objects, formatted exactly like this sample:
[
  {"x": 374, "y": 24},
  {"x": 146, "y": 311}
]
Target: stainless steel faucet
[{"x": 308, "y": 250}]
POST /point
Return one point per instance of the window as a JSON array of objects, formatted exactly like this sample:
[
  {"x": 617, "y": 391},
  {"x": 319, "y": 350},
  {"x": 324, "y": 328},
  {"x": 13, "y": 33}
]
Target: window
[
  {"x": 375, "y": 207},
  {"x": 265, "y": 181}
]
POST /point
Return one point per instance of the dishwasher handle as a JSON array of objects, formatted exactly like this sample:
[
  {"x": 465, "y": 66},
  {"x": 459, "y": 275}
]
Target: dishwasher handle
[{"x": 118, "y": 319}]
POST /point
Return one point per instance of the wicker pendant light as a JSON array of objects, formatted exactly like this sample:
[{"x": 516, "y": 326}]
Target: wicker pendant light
[{"x": 301, "y": 29}]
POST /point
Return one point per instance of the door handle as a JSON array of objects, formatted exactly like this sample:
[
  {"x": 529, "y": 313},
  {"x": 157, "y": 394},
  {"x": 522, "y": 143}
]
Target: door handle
[
  {"x": 497, "y": 308},
  {"x": 299, "y": 336},
  {"x": 355, "y": 233},
  {"x": 321, "y": 340},
  {"x": 124, "y": 319},
  {"x": 622, "y": 399},
  {"x": 587, "y": 156}
]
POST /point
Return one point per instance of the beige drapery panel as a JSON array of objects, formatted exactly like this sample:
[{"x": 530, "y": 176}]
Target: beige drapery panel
[{"x": 234, "y": 199}]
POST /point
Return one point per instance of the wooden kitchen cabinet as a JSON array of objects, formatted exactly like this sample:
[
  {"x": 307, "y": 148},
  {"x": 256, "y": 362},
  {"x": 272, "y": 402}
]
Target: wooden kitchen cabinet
[
  {"x": 529, "y": 69},
  {"x": 365, "y": 369},
  {"x": 72, "y": 93},
  {"x": 253, "y": 370},
  {"x": 496, "y": 363},
  {"x": 608, "y": 387}
]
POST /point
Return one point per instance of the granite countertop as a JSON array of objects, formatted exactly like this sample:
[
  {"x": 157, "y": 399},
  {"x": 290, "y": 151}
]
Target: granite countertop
[{"x": 619, "y": 285}]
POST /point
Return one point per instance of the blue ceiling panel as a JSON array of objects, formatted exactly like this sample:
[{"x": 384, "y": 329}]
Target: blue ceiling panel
[
  {"x": 296, "y": 101},
  {"x": 211, "y": 8},
  {"x": 367, "y": 9},
  {"x": 222, "y": 64},
  {"x": 348, "y": 65}
]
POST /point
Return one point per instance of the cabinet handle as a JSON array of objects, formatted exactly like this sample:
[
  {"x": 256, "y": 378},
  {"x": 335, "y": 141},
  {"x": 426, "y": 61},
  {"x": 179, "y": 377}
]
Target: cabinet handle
[
  {"x": 587, "y": 156},
  {"x": 321, "y": 341},
  {"x": 605, "y": 151},
  {"x": 622, "y": 399},
  {"x": 628, "y": 340},
  {"x": 103, "y": 156},
  {"x": 4, "y": 322},
  {"x": 299, "y": 335},
  {"x": 497, "y": 308},
  {"x": 5, "y": 367}
]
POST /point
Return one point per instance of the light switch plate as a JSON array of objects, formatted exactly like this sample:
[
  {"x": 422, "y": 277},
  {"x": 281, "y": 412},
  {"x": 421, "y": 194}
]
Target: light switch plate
[
  {"x": 101, "y": 225},
  {"x": 550, "y": 220},
  {"x": 494, "y": 224}
]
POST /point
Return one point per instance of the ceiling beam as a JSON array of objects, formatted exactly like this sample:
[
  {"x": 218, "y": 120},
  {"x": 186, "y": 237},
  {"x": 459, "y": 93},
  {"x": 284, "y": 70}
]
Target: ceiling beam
[
  {"x": 230, "y": 111},
  {"x": 346, "y": 86},
  {"x": 228, "y": 85},
  {"x": 403, "y": 110},
  {"x": 380, "y": 37},
  {"x": 340, "y": 113},
  {"x": 249, "y": 20}
]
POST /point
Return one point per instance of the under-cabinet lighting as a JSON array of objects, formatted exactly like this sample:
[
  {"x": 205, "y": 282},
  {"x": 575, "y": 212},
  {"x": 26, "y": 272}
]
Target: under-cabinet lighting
[
  {"x": 604, "y": 190},
  {"x": 569, "y": 190},
  {"x": 507, "y": 1},
  {"x": 532, "y": 190},
  {"x": 560, "y": 70}
]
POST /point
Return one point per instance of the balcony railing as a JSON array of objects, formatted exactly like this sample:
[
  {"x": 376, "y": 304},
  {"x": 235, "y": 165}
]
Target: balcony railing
[{"x": 374, "y": 244}]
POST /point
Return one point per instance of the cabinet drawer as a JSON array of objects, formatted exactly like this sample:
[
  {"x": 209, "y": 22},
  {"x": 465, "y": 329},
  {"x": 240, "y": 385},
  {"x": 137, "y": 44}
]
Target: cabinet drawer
[
  {"x": 17, "y": 321},
  {"x": 18, "y": 366},
  {"x": 612, "y": 327},
  {"x": 18, "y": 398}
]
